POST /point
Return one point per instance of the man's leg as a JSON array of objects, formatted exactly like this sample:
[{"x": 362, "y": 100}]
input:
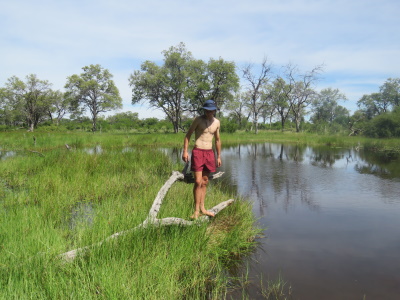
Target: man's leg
[
  {"x": 199, "y": 193},
  {"x": 205, "y": 175}
]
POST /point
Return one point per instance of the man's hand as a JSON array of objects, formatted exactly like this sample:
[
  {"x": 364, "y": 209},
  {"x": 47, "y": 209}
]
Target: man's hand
[
  {"x": 219, "y": 162},
  {"x": 185, "y": 156}
]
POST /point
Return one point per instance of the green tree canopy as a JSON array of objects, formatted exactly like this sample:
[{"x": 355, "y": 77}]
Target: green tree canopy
[
  {"x": 94, "y": 90},
  {"x": 387, "y": 98},
  {"x": 326, "y": 106},
  {"x": 182, "y": 83},
  {"x": 29, "y": 100}
]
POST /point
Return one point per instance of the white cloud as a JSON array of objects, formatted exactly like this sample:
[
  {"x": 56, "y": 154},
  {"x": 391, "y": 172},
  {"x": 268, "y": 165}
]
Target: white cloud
[{"x": 358, "y": 41}]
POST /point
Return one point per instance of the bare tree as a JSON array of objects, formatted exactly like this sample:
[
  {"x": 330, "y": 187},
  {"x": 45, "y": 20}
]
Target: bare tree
[
  {"x": 256, "y": 92},
  {"x": 301, "y": 90}
]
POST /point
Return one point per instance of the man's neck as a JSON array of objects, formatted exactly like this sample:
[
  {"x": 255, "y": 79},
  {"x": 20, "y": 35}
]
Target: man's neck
[{"x": 211, "y": 118}]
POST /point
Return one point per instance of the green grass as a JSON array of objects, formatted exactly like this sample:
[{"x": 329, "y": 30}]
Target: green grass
[
  {"x": 65, "y": 199},
  {"x": 23, "y": 141},
  {"x": 53, "y": 200}
]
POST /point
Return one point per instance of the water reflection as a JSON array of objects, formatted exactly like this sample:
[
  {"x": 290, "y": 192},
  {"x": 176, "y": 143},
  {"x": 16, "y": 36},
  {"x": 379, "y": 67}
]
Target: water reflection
[
  {"x": 332, "y": 218},
  {"x": 82, "y": 215},
  {"x": 94, "y": 150},
  {"x": 7, "y": 154}
]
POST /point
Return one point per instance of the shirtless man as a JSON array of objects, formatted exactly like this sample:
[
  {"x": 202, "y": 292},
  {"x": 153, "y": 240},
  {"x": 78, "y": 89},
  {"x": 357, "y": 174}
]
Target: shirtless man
[{"x": 205, "y": 127}]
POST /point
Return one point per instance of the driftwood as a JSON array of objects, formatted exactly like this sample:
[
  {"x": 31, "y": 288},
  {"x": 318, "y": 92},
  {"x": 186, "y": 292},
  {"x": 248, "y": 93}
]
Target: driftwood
[{"x": 152, "y": 220}]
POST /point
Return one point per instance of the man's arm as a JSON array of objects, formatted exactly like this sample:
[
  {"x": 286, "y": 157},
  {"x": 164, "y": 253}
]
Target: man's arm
[
  {"x": 185, "y": 155},
  {"x": 218, "y": 146}
]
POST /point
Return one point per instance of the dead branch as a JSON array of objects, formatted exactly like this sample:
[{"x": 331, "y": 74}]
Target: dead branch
[
  {"x": 163, "y": 191},
  {"x": 152, "y": 220}
]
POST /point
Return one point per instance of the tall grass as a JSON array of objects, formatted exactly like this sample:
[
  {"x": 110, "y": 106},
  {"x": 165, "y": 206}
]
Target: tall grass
[
  {"x": 41, "y": 141},
  {"x": 65, "y": 199},
  {"x": 53, "y": 200}
]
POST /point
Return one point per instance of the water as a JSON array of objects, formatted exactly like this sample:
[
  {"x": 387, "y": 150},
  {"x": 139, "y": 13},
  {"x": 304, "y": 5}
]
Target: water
[
  {"x": 7, "y": 154},
  {"x": 332, "y": 219}
]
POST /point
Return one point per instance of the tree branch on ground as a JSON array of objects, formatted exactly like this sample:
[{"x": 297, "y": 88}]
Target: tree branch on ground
[{"x": 152, "y": 219}]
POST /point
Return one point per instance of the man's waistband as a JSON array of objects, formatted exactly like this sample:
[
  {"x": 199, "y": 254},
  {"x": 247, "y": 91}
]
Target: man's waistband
[{"x": 205, "y": 150}]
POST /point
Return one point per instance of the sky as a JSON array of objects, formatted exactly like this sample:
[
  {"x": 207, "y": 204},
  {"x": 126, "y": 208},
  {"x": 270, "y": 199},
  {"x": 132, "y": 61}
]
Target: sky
[{"x": 357, "y": 41}]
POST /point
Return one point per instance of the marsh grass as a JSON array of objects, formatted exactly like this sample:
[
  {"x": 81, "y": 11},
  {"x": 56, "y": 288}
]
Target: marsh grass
[
  {"x": 276, "y": 289},
  {"x": 22, "y": 141},
  {"x": 54, "y": 200},
  {"x": 67, "y": 199}
]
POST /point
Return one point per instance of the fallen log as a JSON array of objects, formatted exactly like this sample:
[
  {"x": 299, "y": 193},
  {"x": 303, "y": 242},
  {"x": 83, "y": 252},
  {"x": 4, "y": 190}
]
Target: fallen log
[{"x": 152, "y": 220}]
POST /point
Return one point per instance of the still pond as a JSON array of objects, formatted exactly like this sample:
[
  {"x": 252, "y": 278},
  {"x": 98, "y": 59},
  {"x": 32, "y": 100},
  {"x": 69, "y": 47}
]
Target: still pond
[{"x": 331, "y": 219}]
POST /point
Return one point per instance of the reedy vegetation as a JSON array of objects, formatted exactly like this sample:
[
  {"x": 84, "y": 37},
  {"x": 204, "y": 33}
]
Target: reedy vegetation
[{"x": 53, "y": 200}]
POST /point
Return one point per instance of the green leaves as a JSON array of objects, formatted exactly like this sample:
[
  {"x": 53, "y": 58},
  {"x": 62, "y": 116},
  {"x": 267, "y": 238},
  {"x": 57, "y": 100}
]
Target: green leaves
[
  {"x": 183, "y": 83},
  {"x": 94, "y": 90},
  {"x": 28, "y": 101}
]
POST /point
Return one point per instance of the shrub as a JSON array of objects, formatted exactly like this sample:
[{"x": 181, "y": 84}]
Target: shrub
[
  {"x": 384, "y": 126},
  {"x": 228, "y": 126}
]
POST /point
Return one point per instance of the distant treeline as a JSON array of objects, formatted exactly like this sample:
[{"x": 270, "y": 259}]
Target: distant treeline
[{"x": 266, "y": 99}]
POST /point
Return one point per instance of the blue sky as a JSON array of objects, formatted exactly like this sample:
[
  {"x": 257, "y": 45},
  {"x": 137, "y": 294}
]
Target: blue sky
[{"x": 358, "y": 41}]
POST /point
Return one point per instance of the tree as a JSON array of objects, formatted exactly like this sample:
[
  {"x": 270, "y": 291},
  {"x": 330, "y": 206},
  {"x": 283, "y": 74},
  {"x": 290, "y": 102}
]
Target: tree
[
  {"x": 164, "y": 87},
  {"x": 222, "y": 81},
  {"x": 182, "y": 83},
  {"x": 356, "y": 123},
  {"x": 237, "y": 108},
  {"x": 256, "y": 93},
  {"x": 95, "y": 90},
  {"x": 390, "y": 91},
  {"x": 59, "y": 106},
  {"x": 280, "y": 93},
  {"x": 301, "y": 91},
  {"x": 373, "y": 105},
  {"x": 6, "y": 112},
  {"x": 30, "y": 99},
  {"x": 326, "y": 107}
]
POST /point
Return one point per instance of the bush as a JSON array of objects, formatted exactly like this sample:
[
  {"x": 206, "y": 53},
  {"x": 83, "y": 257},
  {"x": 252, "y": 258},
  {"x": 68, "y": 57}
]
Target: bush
[
  {"x": 4, "y": 127},
  {"x": 384, "y": 126},
  {"x": 228, "y": 126}
]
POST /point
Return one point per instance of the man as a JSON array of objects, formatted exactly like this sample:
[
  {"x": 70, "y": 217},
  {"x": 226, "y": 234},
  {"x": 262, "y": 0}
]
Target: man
[{"x": 205, "y": 127}]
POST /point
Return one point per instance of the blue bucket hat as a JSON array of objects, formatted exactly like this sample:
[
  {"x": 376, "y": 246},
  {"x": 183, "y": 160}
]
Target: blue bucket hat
[{"x": 210, "y": 105}]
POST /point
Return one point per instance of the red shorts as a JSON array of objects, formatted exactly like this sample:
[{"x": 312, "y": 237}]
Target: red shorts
[{"x": 203, "y": 159}]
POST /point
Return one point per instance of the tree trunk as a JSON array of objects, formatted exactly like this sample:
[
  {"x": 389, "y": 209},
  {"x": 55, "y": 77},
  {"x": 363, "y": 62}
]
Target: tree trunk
[
  {"x": 94, "y": 121},
  {"x": 31, "y": 127},
  {"x": 297, "y": 121}
]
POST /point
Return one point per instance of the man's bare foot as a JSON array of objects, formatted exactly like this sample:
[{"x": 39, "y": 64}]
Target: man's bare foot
[
  {"x": 195, "y": 215},
  {"x": 208, "y": 213}
]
